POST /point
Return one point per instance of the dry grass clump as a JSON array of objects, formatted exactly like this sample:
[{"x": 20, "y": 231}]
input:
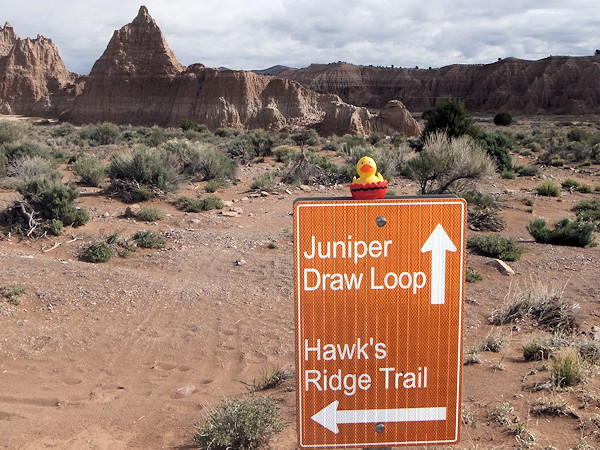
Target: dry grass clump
[
  {"x": 552, "y": 407},
  {"x": 541, "y": 305},
  {"x": 500, "y": 414},
  {"x": 267, "y": 380},
  {"x": 493, "y": 342},
  {"x": 568, "y": 369}
]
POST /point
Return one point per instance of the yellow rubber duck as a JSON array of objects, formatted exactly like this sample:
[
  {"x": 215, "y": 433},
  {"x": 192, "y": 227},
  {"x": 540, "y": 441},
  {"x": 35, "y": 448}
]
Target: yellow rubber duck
[{"x": 367, "y": 171}]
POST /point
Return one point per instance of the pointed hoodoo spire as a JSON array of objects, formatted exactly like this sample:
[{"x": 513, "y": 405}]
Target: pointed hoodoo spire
[{"x": 143, "y": 15}]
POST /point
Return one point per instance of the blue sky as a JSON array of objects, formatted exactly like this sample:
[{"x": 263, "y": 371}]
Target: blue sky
[{"x": 260, "y": 33}]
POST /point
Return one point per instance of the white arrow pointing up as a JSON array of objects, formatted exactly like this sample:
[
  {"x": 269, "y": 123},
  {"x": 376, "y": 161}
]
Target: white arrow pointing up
[
  {"x": 438, "y": 244},
  {"x": 329, "y": 417}
]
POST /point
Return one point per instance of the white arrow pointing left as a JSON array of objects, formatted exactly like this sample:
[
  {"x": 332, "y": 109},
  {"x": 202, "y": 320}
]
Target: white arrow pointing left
[
  {"x": 330, "y": 417},
  {"x": 438, "y": 244}
]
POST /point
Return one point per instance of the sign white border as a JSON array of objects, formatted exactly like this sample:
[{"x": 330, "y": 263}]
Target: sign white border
[{"x": 333, "y": 202}]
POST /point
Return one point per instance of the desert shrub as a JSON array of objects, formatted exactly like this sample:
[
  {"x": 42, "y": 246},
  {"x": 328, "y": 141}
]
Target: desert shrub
[
  {"x": 240, "y": 148},
  {"x": 450, "y": 117},
  {"x": 307, "y": 168},
  {"x": 485, "y": 219},
  {"x": 263, "y": 142},
  {"x": 159, "y": 135},
  {"x": 197, "y": 205},
  {"x": 528, "y": 201},
  {"x": 448, "y": 164},
  {"x": 537, "y": 349},
  {"x": 479, "y": 199},
  {"x": 44, "y": 205},
  {"x": 149, "y": 214},
  {"x": 100, "y": 134},
  {"x": 190, "y": 204},
  {"x": 588, "y": 211},
  {"x": 55, "y": 227},
  {"x": 146, "y": 167},
  {"x": 3, "y": 164},
  {"x": 499, "y": 148},
  {"x": 199, "y": 161},
  {"x": 214, "y": 164},
  {"x": 227, "y": 132},
  {"x": 264, "y": 181},
  {"x": 244, "y": 423},
  {"x": 374, "y": 138},
  {"x": 502, "y": 119},
  {"x": 569, "y": 183},
  {"x": 585, "y": 189},
  {"x": 306, "y": 137},
  {"x": 99, "y": 252},
  {"x": 527, "y": 171},
  {"x": 212, "y": 202},
  {"x": 284, "y": 153},
  {"x": 25, "y": 149},
  {"x": 36, "y": 167},
  {"x": 190, "y": 124},
  {"x": 568, "y": 369},
  {"x": 508, "y": 174},
  {"x": 569, "y": 232},
  {"x": 589, "y": 351},
  {"x": 506, "y": 249},
  {"x": 541, "y": 304},
  {"x": 577, "y": 135},
  {"x": 10, "y": 132},
  {"x": 148, "y": 239},
  {"x": 12, "y": 293},
  {"x": 90, "y": 170},
  {"x": 560, "y": 151},
  {"x": 214, "y": 184},
  {"x": 63, "y": 130},
  {"x": 548, "y": 189},
  {"x": 471, "y": 275}
]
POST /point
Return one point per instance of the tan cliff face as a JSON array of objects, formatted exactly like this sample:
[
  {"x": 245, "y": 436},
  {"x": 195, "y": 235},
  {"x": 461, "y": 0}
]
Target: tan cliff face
[
  {"x": 139, "y": 81},
  {"x": 559, "y": 84},
  {"x": 33, "y": 77}
]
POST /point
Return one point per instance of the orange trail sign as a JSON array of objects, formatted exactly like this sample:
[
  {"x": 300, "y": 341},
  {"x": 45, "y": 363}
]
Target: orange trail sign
[{"x": 379, "y": 301}]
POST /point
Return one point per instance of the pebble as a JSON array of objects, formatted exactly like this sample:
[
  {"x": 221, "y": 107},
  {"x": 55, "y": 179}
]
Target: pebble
[{"x": 185, "y": 391}]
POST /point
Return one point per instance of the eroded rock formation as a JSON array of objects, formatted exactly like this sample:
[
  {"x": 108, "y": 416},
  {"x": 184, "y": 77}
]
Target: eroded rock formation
[
  {"x": 557, "y": 84},
  {"x": 33, "y": 78},
  {"x": 139, "y": 81}
]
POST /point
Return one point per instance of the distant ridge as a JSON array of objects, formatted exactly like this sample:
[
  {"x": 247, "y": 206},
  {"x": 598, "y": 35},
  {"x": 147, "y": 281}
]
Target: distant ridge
[
  {"x": 273, "y": 71},
  {"x": 557, "y": 84}
]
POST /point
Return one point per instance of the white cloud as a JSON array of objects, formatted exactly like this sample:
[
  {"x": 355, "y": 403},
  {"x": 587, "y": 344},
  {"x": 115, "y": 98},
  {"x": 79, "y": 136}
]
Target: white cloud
[{"x": 262, "y": 33}]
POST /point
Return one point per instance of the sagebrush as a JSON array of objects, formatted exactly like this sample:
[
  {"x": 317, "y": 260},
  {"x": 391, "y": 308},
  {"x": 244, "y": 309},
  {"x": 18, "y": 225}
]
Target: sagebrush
[{"x": 239, "y": 423}]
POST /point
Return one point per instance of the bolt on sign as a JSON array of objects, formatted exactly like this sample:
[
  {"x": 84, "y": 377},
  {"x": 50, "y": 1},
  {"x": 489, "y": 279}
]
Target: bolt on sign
[{"x": 379, "y": 295}]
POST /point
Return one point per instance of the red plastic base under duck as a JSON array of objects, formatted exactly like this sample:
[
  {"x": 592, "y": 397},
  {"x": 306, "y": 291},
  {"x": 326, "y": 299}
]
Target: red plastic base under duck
[{"x": 369, "y": 191}]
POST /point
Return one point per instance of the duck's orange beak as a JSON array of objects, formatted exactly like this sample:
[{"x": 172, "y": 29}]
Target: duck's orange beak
[{"x": 366, "y": 168}]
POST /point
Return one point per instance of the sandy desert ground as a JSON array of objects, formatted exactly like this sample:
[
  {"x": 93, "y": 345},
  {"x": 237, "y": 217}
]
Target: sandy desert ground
[{"x": 130, "y": 353}]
